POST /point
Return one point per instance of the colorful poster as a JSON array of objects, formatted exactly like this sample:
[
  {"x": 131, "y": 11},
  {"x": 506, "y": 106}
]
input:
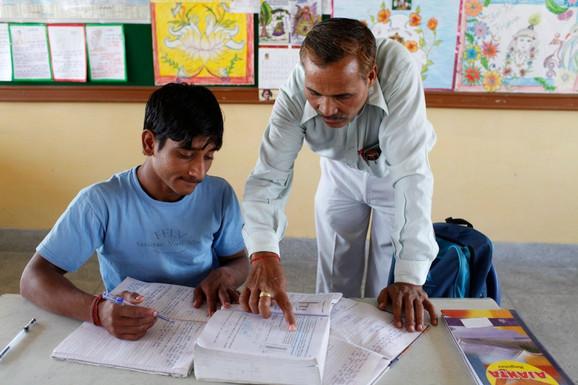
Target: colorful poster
[
  {"x": 274, "y": 22},
  {"x": 304, "y": 15},
  {"x": 518, "y": 46},
  {"x": 427, "y": 29},
  {"x": 202, "y": 43},
  {"x": 287, "y": 22}
]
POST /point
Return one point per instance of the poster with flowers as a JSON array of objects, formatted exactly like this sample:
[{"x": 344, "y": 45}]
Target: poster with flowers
[
  {"x": 518, "y": 46},
  {"x": 201, "y": 43},
  {"x": 426, "y": 28}
]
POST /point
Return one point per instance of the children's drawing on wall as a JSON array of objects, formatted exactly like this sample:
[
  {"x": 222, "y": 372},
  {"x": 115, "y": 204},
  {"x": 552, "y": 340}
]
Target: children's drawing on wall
[
  {"x": 274, "y": 22},
  {"x": 202, "y": 43},
  {"x": 426, "y": 28},
  {"x": 522, "y": 50},
  {"x": 518, "y": 46},
  {"x": 562, "y": 64},
  {"x": 287, "y": 22},
  {"x": 304, "y": 15}
]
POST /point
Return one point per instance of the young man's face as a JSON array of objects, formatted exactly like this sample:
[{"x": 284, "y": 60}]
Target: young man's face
[
  {"x": 177, "y": 169},
  {"x": 337, "y": 91}
]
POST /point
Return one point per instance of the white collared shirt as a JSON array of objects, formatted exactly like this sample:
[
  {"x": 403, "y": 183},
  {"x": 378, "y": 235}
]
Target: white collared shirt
[{"x": 393, "y": 117}]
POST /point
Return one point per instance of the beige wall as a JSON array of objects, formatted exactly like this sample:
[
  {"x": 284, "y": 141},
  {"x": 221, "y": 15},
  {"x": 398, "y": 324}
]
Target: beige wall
[{"x": 513, "y": 173}]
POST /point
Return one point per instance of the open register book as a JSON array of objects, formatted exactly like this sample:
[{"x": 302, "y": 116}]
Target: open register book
[
  {"x": 498, "y": 348},
  {"x": 167, "y": 348},
  {"x": 354, "y": 344},
  {"x": 242, "y": 347}
]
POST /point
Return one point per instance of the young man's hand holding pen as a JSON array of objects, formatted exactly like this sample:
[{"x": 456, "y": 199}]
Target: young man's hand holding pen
[{"x": 126, "y": 322}]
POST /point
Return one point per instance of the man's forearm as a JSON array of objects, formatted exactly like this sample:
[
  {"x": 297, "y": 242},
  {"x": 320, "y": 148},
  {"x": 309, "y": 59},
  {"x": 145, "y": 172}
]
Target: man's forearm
[{"x": 43, "y": 284}]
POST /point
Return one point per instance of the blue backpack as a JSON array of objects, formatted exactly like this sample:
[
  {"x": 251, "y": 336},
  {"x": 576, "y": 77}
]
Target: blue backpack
[{"x": 463, "y": 267}]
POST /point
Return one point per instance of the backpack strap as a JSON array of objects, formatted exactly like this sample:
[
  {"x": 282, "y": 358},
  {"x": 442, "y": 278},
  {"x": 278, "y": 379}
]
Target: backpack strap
[{"x": 459, "y": 221}]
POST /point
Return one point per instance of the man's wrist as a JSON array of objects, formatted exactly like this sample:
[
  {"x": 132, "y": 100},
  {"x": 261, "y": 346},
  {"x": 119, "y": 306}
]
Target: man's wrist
[
  {"x": 95, "y": 309},
  {"x": 259, "y": 256}
]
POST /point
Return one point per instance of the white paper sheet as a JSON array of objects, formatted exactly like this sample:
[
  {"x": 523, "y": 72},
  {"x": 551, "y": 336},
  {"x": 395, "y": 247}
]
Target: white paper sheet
[
  {"x": 310, "y": 304},
  {"x": 173, "y": 301},
  {"x": 366, "y": 326},
  {"x": 106, "y": 52},
  {"x": 166, "y": 348},
  {"x": 348, "y": 364},
  {"x": 327, "y": 7},
  {"x": 5, "y": 54},
  {"x": 75, "y": 11},
  {"x": 68, "y": 52},
  {"x": 30, "y": 52},
  {"x": 238, "y": 331},
  {"x": 275, "y": 66},
  {"x": 244, "y": 6}
]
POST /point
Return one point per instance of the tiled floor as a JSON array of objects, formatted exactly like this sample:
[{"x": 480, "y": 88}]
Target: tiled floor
[{"x": 539, "y": 281}]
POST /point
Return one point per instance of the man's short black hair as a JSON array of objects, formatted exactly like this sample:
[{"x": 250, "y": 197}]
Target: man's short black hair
[
  {"x": 183, "y": 112},
  {"x": 333, "y": 39}
]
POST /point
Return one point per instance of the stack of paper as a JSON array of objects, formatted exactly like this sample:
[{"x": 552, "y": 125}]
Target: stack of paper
[
  {"x": 167, "y": 347},
  {"x": 245, "y": 348}
]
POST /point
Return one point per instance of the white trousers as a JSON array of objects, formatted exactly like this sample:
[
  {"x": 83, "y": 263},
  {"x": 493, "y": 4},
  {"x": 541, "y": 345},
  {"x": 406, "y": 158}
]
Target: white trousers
[{"x": 345, "y": 201}]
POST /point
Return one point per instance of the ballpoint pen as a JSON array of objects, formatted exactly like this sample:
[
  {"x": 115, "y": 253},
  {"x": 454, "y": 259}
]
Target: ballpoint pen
[
  {"x": 21, "y": 334},
  {"x": 120, "y": 301}
]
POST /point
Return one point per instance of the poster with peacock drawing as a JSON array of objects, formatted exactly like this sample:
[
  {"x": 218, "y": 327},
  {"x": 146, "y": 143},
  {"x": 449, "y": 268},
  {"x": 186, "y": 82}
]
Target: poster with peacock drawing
[
  {"x": 426, "y": 28},
  {"x": 202, "y": 43},
  {"x": 518, "y": 46}
]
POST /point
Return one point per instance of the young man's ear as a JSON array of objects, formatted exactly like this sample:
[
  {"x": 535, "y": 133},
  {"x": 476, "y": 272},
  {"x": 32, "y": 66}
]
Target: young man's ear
[{"x": 148, "y": 142}]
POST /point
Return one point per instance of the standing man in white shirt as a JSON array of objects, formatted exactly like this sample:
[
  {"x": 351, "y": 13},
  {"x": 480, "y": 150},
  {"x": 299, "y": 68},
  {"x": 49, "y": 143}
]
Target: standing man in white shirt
[{"x": 360, "y": 105}]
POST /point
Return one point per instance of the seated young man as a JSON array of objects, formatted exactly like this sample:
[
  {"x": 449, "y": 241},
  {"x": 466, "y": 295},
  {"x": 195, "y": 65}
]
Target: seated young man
[{"x": 163, "y": 221}]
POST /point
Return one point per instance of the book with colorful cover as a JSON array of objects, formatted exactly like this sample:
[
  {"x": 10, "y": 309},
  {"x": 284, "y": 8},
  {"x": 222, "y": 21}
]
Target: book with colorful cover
[{"x": 499, "y": 349}]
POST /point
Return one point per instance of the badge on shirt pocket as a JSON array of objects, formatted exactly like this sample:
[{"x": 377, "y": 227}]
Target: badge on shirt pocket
[{"x": 370, "y": 153}]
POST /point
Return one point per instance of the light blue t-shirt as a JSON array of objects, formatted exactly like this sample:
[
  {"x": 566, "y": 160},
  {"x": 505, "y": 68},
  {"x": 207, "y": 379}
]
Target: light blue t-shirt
[{"x": 137, "y": 236}]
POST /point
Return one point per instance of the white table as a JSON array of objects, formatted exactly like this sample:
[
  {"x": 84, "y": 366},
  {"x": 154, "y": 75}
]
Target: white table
[{"x": 432, "y": 360}]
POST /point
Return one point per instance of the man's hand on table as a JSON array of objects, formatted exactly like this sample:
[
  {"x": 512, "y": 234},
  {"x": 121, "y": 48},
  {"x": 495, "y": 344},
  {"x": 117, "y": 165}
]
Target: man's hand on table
[
  {"x": 409, "y": 304},
  {"x": 266, "y": 282},
  {"x": 217, "y": 287}
]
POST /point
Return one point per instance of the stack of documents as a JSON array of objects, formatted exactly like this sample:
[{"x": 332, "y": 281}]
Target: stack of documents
[{"x": 237, "y": 346}]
